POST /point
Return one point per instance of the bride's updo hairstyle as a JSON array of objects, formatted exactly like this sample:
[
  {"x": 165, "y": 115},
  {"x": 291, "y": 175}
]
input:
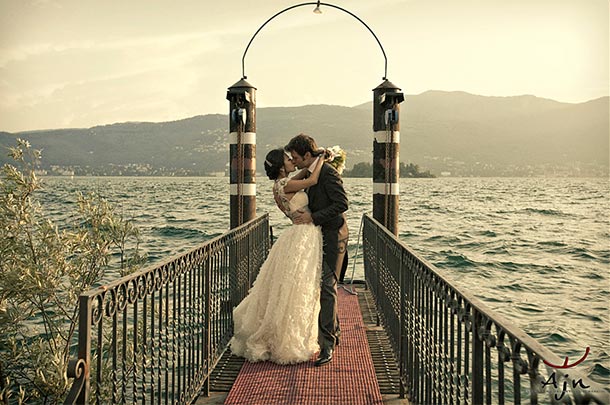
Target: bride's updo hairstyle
[{"x": 274, "y": 161}]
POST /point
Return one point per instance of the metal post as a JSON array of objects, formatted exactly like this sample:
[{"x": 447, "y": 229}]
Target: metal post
[
  {"x": 210, "y": 250},
  {"x": 402, "y": 291},
  {"x": 84, "y": 344},
  {"x": 478, "y": 327},
  {"x": 386, "y": 145},
  {"x": 242, "y": 151}
]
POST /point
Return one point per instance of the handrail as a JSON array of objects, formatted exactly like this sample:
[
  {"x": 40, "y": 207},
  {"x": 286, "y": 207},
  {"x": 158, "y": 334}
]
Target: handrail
[
  {"x": 243, "y": 68},
  {"x": 157, "y": 334},
  {"x": 443, "y": 336}
]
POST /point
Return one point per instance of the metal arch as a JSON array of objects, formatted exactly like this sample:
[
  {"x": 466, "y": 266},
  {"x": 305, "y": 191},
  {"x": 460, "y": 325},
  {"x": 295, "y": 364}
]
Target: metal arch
[{"x": 243, "y": 58}]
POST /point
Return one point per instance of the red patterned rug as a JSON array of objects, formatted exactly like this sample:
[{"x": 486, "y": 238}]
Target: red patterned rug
[{"x": 348, "y": 379}]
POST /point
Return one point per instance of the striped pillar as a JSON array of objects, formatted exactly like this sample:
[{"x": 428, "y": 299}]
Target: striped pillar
[
  {"x": 242, "y": 152},
  {"x": 386, "y": 146}
]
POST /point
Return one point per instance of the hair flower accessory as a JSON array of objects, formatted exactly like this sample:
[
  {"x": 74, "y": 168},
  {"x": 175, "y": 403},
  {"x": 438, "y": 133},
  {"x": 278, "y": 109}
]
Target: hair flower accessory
[{"x": 336, "y": 157}]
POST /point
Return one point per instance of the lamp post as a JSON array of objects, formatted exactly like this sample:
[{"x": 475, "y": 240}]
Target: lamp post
[
  {"x": 242, "y": 152},
  {"x": 386, "y": 146},
  {"x": 386, "y": 142},
  {"x": 316, "y": 10}
]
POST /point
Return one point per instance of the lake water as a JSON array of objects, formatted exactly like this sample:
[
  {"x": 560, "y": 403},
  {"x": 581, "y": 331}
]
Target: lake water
[{"x": 536, "y": 250}]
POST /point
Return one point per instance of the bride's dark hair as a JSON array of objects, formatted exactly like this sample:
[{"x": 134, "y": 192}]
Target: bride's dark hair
[{"x": 274, "y": 161}]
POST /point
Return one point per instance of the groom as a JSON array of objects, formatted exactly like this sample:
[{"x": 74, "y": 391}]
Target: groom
[{"x": 327, "y": 202}]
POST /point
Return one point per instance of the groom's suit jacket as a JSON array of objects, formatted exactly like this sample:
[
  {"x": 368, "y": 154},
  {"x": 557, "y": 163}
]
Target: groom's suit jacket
[{"x": 328, "y": 202}]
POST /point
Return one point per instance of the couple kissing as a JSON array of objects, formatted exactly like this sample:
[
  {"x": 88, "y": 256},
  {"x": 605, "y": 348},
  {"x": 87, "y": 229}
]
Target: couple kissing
[{"x": 290, "y": 313}]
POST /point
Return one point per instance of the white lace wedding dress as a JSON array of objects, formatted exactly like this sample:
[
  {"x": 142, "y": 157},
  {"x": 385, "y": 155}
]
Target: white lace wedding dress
[{"x": 278, "y": 320}]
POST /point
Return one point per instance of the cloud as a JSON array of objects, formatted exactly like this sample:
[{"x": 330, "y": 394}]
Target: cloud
[
  {"x": 38, "y": 71},
  {"x": 196, "y": 41}
]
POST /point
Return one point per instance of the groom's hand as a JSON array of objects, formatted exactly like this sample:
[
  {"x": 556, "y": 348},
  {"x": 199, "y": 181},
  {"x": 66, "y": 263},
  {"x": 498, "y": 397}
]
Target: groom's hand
[{"x": 303, "y": 217}]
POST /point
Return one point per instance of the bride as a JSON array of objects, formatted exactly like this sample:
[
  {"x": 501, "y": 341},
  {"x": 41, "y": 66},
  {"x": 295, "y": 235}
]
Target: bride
[{"x": 278, "y": 320}]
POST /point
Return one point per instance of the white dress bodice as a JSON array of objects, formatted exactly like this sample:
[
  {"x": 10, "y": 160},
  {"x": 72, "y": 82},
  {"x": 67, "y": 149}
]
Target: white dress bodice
[{"x": 299, "y": 200}]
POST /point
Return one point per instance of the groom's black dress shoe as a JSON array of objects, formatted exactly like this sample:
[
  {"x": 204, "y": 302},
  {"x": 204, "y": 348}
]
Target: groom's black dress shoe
[{"x": 326, "y": 356}]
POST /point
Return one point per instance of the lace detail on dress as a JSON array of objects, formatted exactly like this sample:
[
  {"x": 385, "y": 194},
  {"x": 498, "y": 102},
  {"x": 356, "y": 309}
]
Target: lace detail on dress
[
  {"x": 278, "y": 190},
  {"x": 298, "y": 201}
]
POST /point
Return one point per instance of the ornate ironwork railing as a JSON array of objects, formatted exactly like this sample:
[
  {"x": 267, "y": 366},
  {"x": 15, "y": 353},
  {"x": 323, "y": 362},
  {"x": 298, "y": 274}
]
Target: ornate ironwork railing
[
  {"x": 156, "y": 335},
  {"x": 450, "y": 347}
]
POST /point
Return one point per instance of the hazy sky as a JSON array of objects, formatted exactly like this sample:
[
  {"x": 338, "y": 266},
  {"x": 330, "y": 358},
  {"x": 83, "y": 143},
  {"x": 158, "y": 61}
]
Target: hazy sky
[{"x": 74, "y": 63}]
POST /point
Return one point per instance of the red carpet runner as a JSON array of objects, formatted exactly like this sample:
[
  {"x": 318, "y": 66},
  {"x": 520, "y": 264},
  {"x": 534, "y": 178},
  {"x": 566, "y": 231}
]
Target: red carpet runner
[{"x": 348, "y": 379}]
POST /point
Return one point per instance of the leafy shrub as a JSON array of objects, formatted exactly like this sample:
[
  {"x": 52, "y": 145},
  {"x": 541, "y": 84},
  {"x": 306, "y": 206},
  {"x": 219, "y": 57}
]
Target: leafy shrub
[{"x": 43, "y": 270}]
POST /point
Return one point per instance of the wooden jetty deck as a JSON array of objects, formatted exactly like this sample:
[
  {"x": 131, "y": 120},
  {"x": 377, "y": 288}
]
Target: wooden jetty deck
[{"x": 362, "y": 372}]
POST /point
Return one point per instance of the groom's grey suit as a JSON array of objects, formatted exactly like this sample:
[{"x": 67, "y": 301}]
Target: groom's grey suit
[{"x": 328, "y": 202}]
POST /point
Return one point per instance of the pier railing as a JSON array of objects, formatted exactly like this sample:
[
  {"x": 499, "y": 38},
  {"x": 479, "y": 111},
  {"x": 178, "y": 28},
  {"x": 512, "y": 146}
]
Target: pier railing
[
  {"x": 450, "y": 347},
  {"x": 156, "y": 335}
]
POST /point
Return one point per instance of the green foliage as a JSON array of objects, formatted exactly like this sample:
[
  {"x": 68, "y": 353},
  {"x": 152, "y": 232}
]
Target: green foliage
[
  {"x": 364, "y": 169},
  {"x": 43, "y": 270},
  {"x": 412, "y": 170}
]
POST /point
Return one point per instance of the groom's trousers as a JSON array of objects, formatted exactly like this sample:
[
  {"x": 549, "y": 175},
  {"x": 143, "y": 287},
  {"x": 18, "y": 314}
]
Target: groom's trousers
[{"x": 335, "y": 248}]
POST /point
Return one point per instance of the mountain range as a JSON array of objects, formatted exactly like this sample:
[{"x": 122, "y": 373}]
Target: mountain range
[{"x": 448, "y": 133}]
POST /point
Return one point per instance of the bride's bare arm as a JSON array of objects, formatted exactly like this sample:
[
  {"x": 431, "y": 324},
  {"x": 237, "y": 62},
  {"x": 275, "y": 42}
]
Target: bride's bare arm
[{"x": 295, "y": 185}]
